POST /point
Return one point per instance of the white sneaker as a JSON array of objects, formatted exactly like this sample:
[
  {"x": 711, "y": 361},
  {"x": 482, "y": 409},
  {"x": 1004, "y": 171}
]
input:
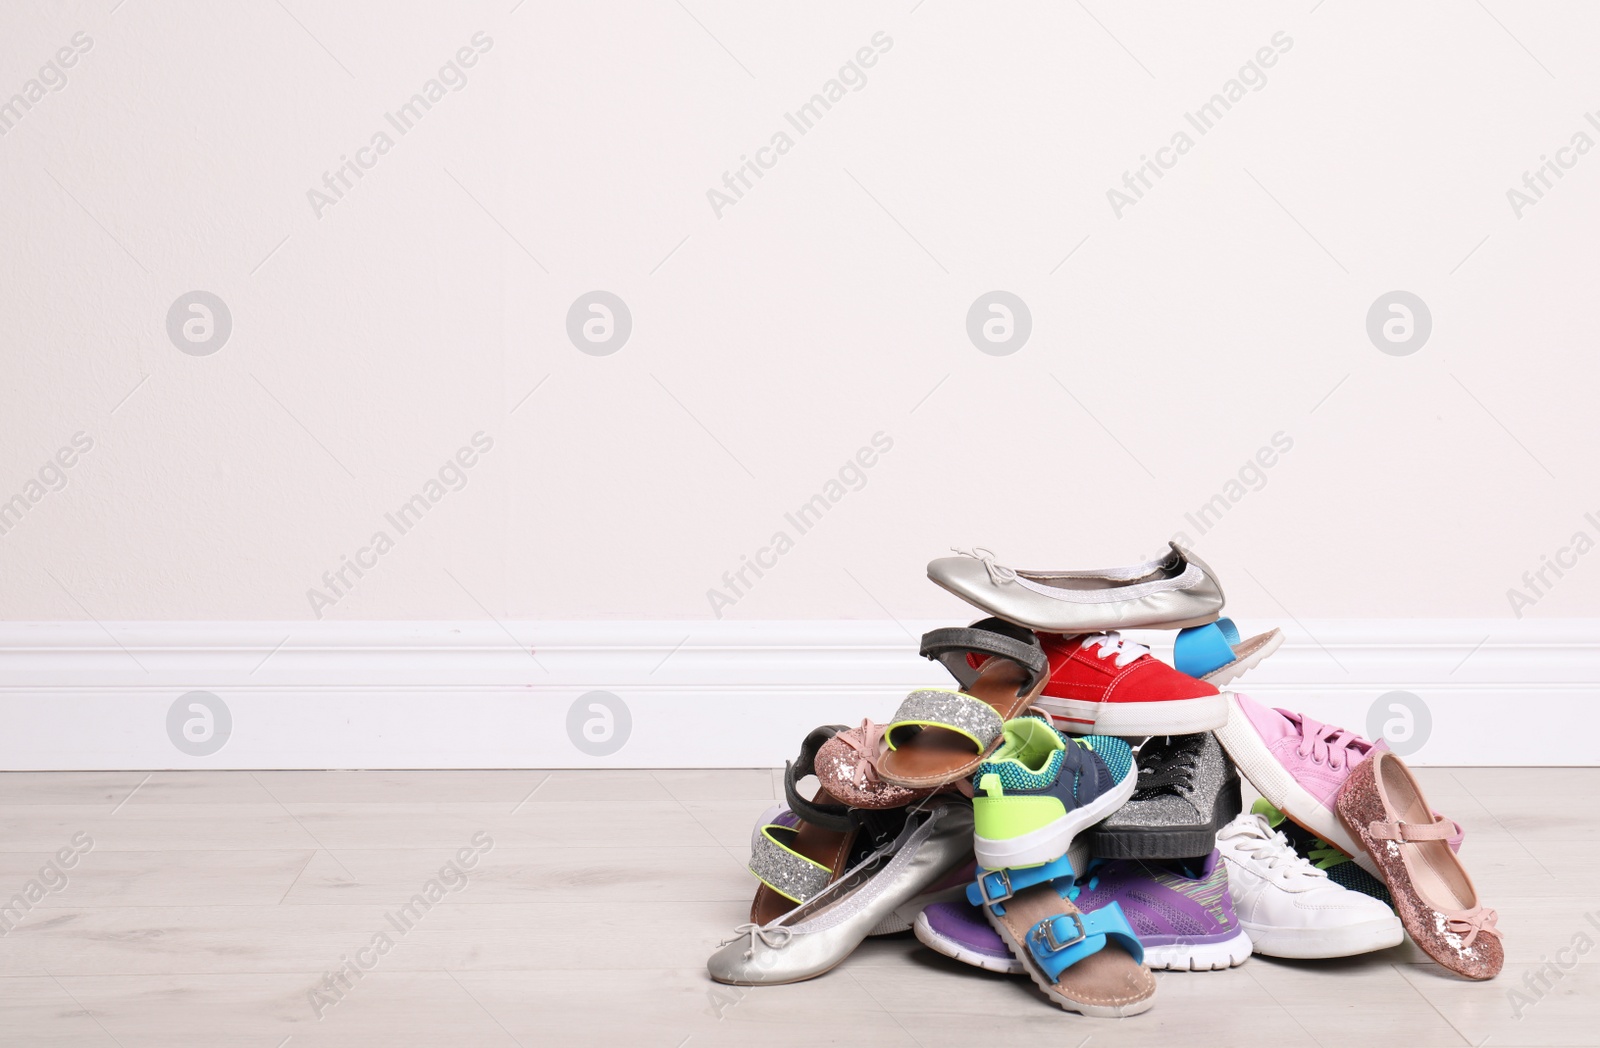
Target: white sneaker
[{"x": 1288, "y": 907}]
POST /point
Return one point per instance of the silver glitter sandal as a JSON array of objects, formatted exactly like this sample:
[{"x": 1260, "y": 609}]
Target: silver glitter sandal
[
  {"x": 796, "y": 862},
  {"x": 815, "y": 937},
  {"x": 939, "y": 736}
]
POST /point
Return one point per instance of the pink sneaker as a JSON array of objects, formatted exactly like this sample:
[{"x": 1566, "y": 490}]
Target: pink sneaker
[{"x": 1298, "y": 765}]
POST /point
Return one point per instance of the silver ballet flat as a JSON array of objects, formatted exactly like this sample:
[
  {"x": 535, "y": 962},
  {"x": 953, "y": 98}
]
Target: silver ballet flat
[
  {"x": 1171, "y": 592},
  {"x": 813, "y": 938}
]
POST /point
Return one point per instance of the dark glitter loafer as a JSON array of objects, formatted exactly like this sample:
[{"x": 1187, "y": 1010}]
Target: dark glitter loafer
[{"x": 1188, "y": 790}]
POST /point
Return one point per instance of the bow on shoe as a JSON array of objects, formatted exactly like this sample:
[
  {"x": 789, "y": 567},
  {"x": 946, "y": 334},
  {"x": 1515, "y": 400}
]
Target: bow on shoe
[
  {"x": 775, "y": 938},
  {"x": 871, "y": 746},
  {"x": 1482, "y": 921},
  {"x": 999, "y": 574}
]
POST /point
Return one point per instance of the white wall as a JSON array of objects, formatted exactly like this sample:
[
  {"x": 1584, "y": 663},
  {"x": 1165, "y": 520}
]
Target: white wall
[
  {"x": 772, "y": 341},
  {"x": 663, "y": 694}
]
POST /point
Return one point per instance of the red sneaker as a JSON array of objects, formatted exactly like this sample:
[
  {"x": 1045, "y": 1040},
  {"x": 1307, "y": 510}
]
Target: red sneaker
[{"x": 1103, "y": 684}]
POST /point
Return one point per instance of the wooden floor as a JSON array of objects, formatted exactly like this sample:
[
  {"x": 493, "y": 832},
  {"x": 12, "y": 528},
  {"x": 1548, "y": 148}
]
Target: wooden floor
[{"x": 211, "y": 909}]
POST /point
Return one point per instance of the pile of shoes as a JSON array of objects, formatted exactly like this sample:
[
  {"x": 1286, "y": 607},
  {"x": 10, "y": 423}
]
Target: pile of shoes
[{"x": 1073, "y": 809}]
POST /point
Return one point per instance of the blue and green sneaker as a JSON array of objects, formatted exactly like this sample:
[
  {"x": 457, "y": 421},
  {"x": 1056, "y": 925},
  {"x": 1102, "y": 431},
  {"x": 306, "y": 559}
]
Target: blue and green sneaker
[{"x": 1040, "y": 789}]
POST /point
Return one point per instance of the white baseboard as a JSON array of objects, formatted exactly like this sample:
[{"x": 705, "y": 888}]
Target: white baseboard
[{"x": 698, "y": 694}]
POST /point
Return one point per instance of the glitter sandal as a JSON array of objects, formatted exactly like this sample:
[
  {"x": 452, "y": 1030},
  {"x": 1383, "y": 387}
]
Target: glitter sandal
[
  {"x": 885, "y": 888},
  {"x": 939, "y": 736},
  {"x": 795, "y": 862},
  {"x": 1383, "y": 807},
  {"x": 847, "y": 767}
]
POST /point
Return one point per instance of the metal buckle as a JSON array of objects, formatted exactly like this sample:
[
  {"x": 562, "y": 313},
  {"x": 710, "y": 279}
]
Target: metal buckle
[
  {"x": 983, "y": 887},
  {"x": 1045, "y": 933}
]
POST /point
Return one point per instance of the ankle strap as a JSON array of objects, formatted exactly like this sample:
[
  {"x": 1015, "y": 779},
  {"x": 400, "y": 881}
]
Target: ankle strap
[
  {"x": 879, "y": 825},
  {"x": 1395, "y": 830},
  {"x": 835, "y": 817},
  {"x": 950, "y": 647}
]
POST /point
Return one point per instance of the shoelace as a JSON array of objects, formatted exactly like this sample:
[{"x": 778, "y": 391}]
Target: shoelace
[
  {"x": 1171, "y": 765},
  {"x": 1482, "y": 921},
  {"x": 776, "y": 938},
  {"x": 1114, "y": 644},
  {"x": 1259, "y": 840},
  {"x": 999, "y": 574},
  {"x": 1326, "y": 744},
  {"x": 1325, "y": 856}
]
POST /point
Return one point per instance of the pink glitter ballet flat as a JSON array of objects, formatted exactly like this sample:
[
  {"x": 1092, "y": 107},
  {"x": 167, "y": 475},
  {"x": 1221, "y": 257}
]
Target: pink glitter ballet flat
[{"x": 1385, "y": 811}]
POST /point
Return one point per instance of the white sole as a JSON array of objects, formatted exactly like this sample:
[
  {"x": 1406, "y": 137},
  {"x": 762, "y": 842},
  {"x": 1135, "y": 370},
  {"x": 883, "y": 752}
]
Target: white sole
[
  {"x": 904, "y": 917},
  {"x": 1275, "y": 783},
  {"x": 1225, "y": 675},
  {"x": 1007, "y": 965},
  {"x": 1049, "y": 843},
  {"x": 1313, "y": 943},
  {"x": 1200, "y": 957},
  {"x": 1129, "y": 719}
]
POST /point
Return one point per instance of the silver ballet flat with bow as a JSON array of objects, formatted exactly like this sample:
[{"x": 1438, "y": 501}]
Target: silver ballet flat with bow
[
  {"x": 1174, "y": 591},
  {"x": 813, "y": 938}
]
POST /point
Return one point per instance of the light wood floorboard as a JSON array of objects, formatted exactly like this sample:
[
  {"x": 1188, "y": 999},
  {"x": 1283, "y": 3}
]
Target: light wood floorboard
[{"x": 213, "y": 904}]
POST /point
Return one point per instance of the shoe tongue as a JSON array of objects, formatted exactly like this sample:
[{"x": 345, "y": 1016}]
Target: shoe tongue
[
  {"x": 1358, "y": 745},
  {"x": 1251, "y": 824},
  {"x": 1297, "y": 719},
  {"x": 1264, "y": 808},
  {"x": 1158, "y": 787},
  {"x": 1170, "y": 764},
  {"x": 1169, "y": 745},
  {"x": 1033, "y": 741}
]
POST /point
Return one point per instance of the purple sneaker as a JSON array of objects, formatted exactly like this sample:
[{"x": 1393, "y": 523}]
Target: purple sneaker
[
  {"x": 1183, "y": 916},
  {"x": 1181, "y": 910},
  {"x": 958, "y": 930},
  {"x": 777, "y": 815}
]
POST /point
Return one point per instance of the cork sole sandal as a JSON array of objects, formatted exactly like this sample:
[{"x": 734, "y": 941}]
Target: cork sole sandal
[
  {"x": 1090, "y": 963},
  {"x": 1215, "y": 654},
  {"x": 940, "y": 735}
]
